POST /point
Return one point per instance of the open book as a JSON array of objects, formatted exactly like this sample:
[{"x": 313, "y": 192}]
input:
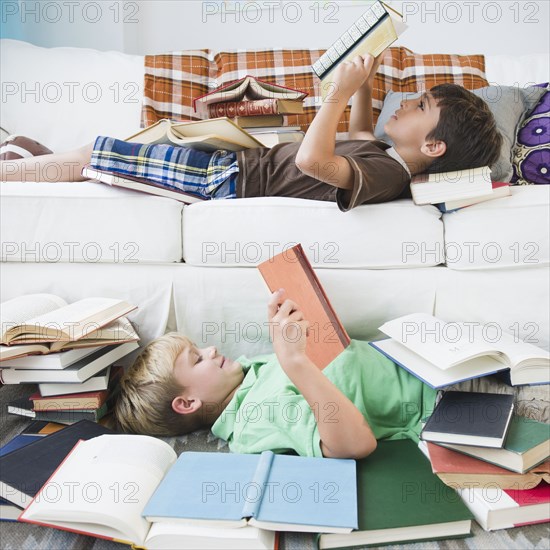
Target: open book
[
  {"x": 204, "y": 135},
  {"x": 46, "y": 318},
  {"x": 140, "y": 479},
  {"x": 291, "y": 270},
  {"x": 441, "y": 353},
  {"x": 248, "y": 88},
  {"x": 372, "y": 33}
]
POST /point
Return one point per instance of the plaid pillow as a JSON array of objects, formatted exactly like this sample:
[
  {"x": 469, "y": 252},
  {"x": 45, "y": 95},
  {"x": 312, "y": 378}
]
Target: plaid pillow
[{"x": 173, "y": 80}]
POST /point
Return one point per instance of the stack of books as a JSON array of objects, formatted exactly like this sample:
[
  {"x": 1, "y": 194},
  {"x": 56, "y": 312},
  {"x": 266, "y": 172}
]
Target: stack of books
[
  {"x": 68, "y": 350},
  {"x": 451, "y": 191},
  {"x": 497, "y": 462},
  {"x": 258, "y": 106}
]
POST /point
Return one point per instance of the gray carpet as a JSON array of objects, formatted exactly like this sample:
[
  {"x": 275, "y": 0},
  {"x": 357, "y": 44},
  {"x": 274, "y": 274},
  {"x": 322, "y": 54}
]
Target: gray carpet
[{"x": 18, "y": 536}]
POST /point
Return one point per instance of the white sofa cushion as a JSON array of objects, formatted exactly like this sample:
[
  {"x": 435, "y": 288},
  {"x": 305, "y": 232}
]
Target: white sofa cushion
[
  {"x": 66, "y": 97},
  {"x": 87, "y": 222},
  {"x": 245, "y": 232},
  {"x": 502, "y": 233}
]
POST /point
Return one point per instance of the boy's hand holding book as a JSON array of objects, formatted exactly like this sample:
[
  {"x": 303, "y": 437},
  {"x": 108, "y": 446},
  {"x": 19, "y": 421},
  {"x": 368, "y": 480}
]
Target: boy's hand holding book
[
  {"x": 349, "y": 76},
  {"x": 288, "y": 330}
]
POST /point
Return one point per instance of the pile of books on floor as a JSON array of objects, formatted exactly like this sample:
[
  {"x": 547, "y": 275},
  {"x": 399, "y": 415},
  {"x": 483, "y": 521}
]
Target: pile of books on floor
[
  {"x": 498, "y": 462},
  {"x": 68, "y": 350},
  {"x": 451, "y": 191},
  {"x": 258, "y": 106}
]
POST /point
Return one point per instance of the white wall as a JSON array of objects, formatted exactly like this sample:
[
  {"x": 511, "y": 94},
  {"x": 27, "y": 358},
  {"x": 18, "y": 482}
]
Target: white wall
[{"x": 154, "y": 26}]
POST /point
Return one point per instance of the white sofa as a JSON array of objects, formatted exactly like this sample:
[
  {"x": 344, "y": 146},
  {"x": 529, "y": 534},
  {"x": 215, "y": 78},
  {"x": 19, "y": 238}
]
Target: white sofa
[{"x": 191, "y": 268}]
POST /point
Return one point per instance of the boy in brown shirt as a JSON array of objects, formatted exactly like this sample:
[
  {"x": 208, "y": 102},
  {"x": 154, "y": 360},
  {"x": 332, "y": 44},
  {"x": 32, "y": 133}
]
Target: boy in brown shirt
[{"x": 447, "y": 128}]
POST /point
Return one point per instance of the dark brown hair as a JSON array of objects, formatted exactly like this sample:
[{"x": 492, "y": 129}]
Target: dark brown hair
[{"x": 467, "y": 127}]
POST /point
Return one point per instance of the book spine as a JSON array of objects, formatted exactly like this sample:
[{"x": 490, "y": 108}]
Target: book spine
[
  {"x": 261, "y": 475},
  {"x": 349, "y": 39},
  {"x": 232, "y": 109}
]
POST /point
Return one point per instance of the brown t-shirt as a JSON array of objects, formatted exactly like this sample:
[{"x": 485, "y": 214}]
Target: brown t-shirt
[{"x": 378, "y": 177}]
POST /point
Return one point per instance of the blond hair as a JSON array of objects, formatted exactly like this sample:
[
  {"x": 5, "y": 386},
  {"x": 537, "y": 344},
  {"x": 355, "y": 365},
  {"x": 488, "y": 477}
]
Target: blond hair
[{"x": 148, "y": 388}]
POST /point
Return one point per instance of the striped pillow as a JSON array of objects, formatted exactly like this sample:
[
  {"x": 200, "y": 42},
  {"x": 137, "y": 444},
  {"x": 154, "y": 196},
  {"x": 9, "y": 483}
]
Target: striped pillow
[{"x": 173, "y": 80}]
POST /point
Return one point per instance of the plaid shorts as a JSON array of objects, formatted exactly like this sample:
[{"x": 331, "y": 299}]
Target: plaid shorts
[{"x": 208, "y": 175}]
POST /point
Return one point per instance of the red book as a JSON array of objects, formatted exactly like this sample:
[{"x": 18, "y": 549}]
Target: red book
[
  {"x": 292, "y": 271},
  {"x": 79, "y": 401},
  {"x": 257, "y": 107}
]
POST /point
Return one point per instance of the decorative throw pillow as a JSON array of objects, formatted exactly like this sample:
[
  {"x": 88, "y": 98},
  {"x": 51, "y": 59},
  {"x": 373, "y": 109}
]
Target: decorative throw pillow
[
  {"x": 531, "y": 155},
  {"x": 17, "y": 147},
  {"x": 509, "y": 106},
  {"x": 173, "y": 80}
]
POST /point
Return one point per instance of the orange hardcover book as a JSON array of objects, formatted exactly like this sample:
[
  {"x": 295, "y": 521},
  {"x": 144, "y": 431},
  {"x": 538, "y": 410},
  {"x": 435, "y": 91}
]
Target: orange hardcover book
[{"x": 291, "y": 270}]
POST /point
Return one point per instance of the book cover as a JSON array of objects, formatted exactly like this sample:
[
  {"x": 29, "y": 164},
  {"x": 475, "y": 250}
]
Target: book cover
[
  {"x": 459, "y": 470},
  {"x": 527, "y": 444},
  {"x": 292, "y": 271},
  {"x": 401, "y": 500},
  {"x": 90, "y": 400},
  {"x": 279, "y": 492},
  {"x": 494, "y": 508},
  {"x": 470, "y": 418},
  {"x": 24, "y": 471}
]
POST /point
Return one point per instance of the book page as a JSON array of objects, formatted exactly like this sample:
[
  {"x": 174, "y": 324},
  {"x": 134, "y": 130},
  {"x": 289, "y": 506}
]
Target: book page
[
  {"x": 80, "y": 317},
  {"x": 23, "y": 308},
  {"x": 444, "y": 344},
  {"x": 105, "y": 481}
]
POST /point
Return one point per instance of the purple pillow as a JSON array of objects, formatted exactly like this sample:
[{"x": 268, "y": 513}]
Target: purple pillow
[{"x": 532, "y": 151}]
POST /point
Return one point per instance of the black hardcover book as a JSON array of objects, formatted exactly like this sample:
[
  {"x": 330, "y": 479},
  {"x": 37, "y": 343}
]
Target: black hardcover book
[
  {"x": 25, "y": 470},
  {"x": 470, "y": 418}
]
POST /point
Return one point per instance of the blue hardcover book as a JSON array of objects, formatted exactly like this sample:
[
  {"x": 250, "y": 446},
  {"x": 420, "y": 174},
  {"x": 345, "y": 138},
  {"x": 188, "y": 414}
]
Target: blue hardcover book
[{"x": 269, "y": 491}]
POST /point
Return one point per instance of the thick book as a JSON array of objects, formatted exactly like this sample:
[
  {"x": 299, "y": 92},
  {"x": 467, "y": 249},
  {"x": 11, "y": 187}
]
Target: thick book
[
  {"x": 78, "y": 372},
  {"x": 400, "y": 500},
  {"x": 137, "y": 465},
  {"x": 494, "y": 508},
  {"x": 500, "y": 190},
  {"x": 257, "y": 108},
  {"x": 526, "y": 446},
  {"x": 259, "y": 121},
  {"x": 291, "y": 270},
  {"x": 470, "y": 418},
  {"x": 451, "y": 186},
  {"x": 459, "y": 471},
  {"x": 372, "y": 33},
  {"x": 442, "y": 353},
  {"x": 247, "y": 88},
  {"x": 203, "y": 135},
  {"x": 138, "y": 184},
  {"x": 90, "y": 400},
  {"x": 24, "y": 471},
  {"x": 270, "y": 478},
  {"x": 101, "y": 381},
  {"x": 50, "y": 361},
  {"x": 43, "y": 318}
]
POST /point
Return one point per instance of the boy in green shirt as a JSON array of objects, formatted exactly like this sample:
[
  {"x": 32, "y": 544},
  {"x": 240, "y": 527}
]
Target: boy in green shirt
[{"x": 280, "y": 402}]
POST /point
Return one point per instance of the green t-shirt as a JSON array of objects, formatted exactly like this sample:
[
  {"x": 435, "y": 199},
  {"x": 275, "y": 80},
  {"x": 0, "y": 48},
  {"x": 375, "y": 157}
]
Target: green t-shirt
[{"x": 267, "y": 412}]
